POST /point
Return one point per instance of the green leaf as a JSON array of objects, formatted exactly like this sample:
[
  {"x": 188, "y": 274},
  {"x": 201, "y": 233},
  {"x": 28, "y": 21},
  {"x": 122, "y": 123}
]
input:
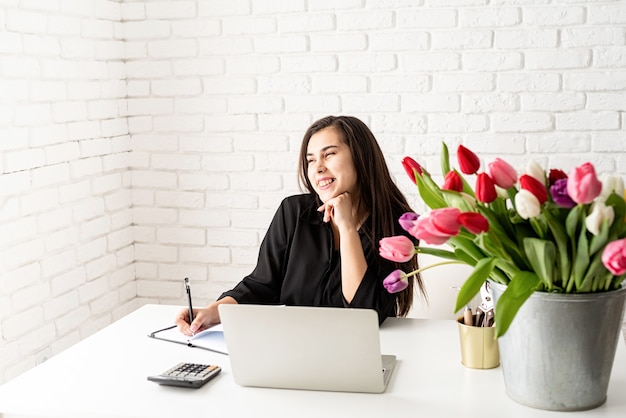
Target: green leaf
[
  {"x": 517, "y": 292},
  {"x": 445, "y": 159},
  {"x": 598, "y": 241},
  {"x": 581, "y": 262},
  {"x": 437, "y": 252},
  {"x": 454, "y": 199},
  {"x": 541, "y": 255},
  {"x": 472, "y": 284},
  {"x": 560, "y": 237},
  {"x": 429, "y": 191}
]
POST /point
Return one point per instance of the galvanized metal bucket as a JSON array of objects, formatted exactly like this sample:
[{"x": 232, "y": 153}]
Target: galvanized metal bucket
[{"x": 559, "y": 350}]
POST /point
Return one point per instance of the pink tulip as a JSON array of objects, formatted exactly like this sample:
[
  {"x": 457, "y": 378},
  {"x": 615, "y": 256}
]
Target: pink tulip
[
  {"x": 583, "y": 185},
  {"x": 537, "y": 188},
  {"x": 485, "y": 188},
  {"x": 469, "y": 163},
  {"x": 446, "y": 220},
  {"x": 502, "y": 173},
  {"x": 411, "y": 167},
  {"x": 396, "y": 282},
  {"x": 452, "y": 181},
  {"x": 614, "y": 257},
  {"x": 399, "y": 249},
  {"x": 474, "y": 222},
  {"x": 437, "y": 226}
]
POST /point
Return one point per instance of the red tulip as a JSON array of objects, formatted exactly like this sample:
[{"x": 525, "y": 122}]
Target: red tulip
[
  {"x": 453, "y": 181},
  {"x": 474, "y": 222},
  {"x": 537, "y": 188},
  {"x": 412, "y": 168},
  {"x": 468, "y": 161},
  {"x": 556, "y": 174},
  {"x": 485, "y": 188},
  {"x": 583, "y": 185},
  {"x": 502, "y": 173}
]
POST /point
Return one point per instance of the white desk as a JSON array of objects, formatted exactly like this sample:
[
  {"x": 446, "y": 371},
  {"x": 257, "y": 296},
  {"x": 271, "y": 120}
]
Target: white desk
[{"x": 105, "y": 375}]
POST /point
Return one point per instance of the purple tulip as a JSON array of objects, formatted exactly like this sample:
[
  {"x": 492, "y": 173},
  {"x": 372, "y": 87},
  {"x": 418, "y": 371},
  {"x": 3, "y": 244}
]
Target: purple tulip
[
  {"x": 396, "y": 282},
  {"x": 559, "y": 194}
]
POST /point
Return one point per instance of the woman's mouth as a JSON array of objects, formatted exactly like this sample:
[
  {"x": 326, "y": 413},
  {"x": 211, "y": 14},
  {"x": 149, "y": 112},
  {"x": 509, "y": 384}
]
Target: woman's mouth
[{"x": 324, "y": 183}]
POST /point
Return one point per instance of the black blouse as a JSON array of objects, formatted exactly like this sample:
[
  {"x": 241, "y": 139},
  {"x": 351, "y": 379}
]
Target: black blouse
[{"x": 298, "y": 264}]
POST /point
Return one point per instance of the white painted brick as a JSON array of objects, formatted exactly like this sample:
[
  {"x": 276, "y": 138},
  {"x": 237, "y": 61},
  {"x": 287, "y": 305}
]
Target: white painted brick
[
  {"x": 201, "y": 105},
  {"x": 370, "y": 103},
  {"x": 61, "y": 239},
  {"x": 427, "y": 18},
  {"x": 191, "y": 236},
  {"x": 539, "y": 60},
  {"x": 104, "y": 304},
  {"x": 532, "y": 82},
  {"x": 431, "y": 61},
  {"x": 252, "y": 65},
  {"x": 526, "y": 39},
  {"x": 359, "y": 21},
  {"x": 178, "y": 123},
  {"x": 556, "y": 102},
  {"x": 198, "y": 28},
  {"x": 167, "y": 10},
  {"x": 476, "y": 82},
  {"x": 522, "y": 122},
  {"x": 230, "y": 123},
  {"x": 154, "y": 253},
  {"x": 23, "y": 160},
  {"x": 19, "y": 278},
  {"x": 587, "y": 121},
  {"x": 487, "y": 103},
  {"x": 63, "y": 25},
  {"x": 35, "y": 114},
  {"x": 338, "y": 42},
  {"x": 152, "y": 106},
  {"x": 553, "y": 16},
  {"x": 407, "y": 41},
  {"x": 609, "y": 57},
  {"x": 252, "y": 25},
  {"x": 397, "y": 123},
  {"x": 11, "y": 43},
  {"x": 179, "y": 199},
  {"x": 74, "y": 191},
  {"x": 71, "y": 320},
  {"x": 38, "y": 201},
  {"x": 281, "y": 44},
  {"x": 223, "y": 238},
  {"x": 277, "y": 7},
  {"x": 591, "y": 37},
  {"x": 95, "y": 228},
  {"x": 29, "y": 297},
  {"x": 366, "y": 63},
  {"x": 313, "y": 103},
  {"x": 229, "y": 85},
  {"x": 451, "y": 123},
  {"x": 52, "y": 174},
  {"x": 461, "y": 40},
  {"x": 242, "y": 105},
  {"x": 147, "y": 30},
  {"x": 68, "y": 281},
  {"x": 230, "y": 162},
  {"x": 25, "y": 21},
  {"x": 87, "y": 209},
  {"x": 496, "y": 61},
  {"x": 595, "y": 81},
  {"x": 204, "y": 66},
  {"x": 94, "y": 270},
  {"x": 205, "y": 255},
  {"x": 431, "y": 103},
  {"x": 58, "y": 263},
  {"x": 489, "y": 17},
  {"x": 228, "y": 201},
  {"x": 225, "y": 46},
  {"x": 173, "y": 48},
  {"x": 309, "y": 63},
  {"x": 309, "y": 22},
  {"x": 23, "y": 322},
  {"x": 339, "y": 84},
  {"x": 607, "y": 13},
  {"x": 606, "y": 101}
]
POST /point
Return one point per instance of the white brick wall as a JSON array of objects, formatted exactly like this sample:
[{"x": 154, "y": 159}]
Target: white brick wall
[{"x": 143, "y": 141}]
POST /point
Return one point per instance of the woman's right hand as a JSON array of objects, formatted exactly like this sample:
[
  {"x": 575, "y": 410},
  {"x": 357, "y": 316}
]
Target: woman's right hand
[{"x": 203, "y": 318}]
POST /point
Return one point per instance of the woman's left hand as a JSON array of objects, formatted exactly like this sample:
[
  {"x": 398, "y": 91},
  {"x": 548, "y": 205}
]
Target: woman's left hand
[{"x": 339, "y": 210}]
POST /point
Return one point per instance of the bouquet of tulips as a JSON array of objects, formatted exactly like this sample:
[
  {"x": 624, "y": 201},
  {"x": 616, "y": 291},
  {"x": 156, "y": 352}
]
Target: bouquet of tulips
[{"x": 550, "y": 232}]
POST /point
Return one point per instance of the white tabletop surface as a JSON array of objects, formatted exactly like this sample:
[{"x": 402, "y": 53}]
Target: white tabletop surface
[{"x": 105, "y": 375}]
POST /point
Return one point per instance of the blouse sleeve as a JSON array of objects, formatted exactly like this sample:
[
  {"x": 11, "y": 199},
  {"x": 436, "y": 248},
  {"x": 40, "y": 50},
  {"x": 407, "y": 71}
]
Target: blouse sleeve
[{"x": 263, "y": 285}]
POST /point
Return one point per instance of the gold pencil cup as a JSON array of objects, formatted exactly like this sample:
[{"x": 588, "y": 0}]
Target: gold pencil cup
[{"x": 479, "y": 347}]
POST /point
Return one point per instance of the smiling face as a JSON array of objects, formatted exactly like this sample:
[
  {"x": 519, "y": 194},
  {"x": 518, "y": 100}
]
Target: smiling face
[{"x": 330, "y": 166}]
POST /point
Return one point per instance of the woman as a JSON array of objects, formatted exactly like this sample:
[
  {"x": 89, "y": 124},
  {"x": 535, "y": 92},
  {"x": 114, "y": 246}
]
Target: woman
[{"x": 321, "y": 248}]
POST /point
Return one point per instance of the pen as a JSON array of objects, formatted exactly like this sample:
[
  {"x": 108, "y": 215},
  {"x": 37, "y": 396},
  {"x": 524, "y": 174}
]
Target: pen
[{"x": 188, "y": 290}]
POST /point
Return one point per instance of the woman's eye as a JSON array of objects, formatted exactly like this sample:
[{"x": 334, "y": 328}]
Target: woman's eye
[{"x": 328, "y": 154}]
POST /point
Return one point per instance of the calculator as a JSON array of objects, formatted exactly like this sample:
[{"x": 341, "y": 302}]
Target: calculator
[{"x": 189, "y": 375}]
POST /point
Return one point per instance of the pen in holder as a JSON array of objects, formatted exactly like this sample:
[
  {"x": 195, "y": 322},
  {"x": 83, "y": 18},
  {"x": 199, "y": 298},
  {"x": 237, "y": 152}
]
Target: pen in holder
[{"x": 479, "y": 346}]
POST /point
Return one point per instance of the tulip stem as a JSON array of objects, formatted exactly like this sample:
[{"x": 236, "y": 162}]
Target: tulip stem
[{"x": 441, "y": 263}]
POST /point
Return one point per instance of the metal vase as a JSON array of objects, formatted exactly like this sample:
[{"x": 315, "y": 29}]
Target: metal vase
[{"x": 559, "y": 350}]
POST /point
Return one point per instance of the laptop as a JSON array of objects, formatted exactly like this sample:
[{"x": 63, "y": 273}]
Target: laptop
[{"x": 310, "y": 348}]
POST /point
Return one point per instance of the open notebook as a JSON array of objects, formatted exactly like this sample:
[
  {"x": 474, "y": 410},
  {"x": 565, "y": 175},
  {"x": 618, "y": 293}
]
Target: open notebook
[
  {"x": 331, "y": 349},
  {"x": 211, "y": 339}
]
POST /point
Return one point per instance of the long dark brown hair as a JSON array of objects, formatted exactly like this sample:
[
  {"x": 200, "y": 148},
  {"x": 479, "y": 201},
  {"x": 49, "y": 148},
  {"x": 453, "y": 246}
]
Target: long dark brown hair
[{"x": 377, "y": 189}]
